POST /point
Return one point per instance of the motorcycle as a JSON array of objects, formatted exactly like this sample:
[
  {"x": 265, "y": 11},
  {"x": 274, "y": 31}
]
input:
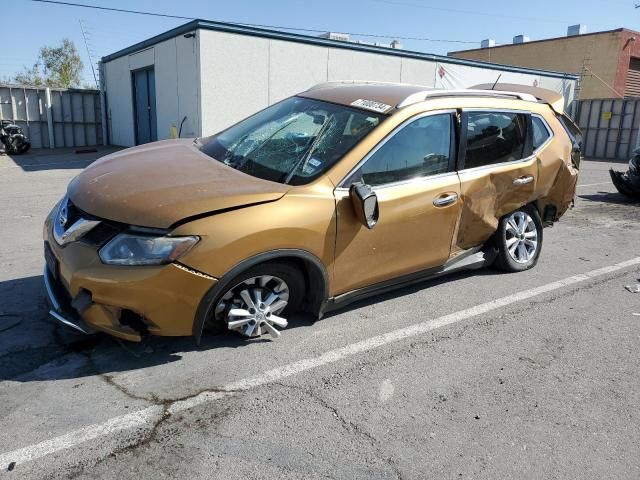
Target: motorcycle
[{"x": 13, "y": 138}]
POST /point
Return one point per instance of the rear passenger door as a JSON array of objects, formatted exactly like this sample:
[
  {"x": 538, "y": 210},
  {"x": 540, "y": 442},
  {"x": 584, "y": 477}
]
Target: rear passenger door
[{"x": 497, "y": 170}]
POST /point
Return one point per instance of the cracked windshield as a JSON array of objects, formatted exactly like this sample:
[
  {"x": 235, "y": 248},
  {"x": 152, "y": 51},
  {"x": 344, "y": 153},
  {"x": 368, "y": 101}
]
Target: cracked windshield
[{"x": 293, "y": 141}]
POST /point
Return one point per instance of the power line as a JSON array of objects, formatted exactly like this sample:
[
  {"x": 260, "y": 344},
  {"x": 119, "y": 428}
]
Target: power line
[
  {"x": 279, "y": 27},
  {"x": 121, "y": 10}
]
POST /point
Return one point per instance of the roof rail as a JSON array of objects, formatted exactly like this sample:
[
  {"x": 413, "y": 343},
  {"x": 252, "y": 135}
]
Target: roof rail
[{"x": 435, "y": 93}]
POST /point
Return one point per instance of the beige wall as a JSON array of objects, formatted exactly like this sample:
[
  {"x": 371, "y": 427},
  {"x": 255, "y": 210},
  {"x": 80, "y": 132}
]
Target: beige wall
[
  {"x": 241, "y": 74},
  {"x": 563, "y": 55}
]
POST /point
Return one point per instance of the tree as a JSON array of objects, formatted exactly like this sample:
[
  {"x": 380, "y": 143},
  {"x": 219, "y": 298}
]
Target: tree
[
  {"x": 56, "y": 67},
  {"x": 29, "y": 76}
]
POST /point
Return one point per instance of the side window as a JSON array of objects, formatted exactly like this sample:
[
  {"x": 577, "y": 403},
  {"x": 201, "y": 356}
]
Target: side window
[
  {"x": 540, "y": 132},
  {"x": 420, "y": 149},
  {"x": 572, "y": 129},
  {"x": 495, "y": 137}
]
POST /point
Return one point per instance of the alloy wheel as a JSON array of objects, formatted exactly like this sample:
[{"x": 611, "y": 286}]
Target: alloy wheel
[
  {"x": 521, "y": 237},
  {"x": 252, "y": 307}
]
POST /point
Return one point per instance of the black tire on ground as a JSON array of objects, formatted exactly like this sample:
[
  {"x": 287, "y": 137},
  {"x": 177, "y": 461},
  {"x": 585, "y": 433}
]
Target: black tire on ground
[
  {"x": 504, "y": 259},
  {"x": 291, "y": 275}
]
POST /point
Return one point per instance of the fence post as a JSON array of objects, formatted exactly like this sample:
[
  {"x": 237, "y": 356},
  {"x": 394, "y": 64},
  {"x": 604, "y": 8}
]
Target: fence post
[{"x": 52, "y": 140}]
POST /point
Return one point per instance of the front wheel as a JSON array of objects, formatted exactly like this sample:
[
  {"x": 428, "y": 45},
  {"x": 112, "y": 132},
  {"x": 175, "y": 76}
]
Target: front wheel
[
  {"x": 519, "y": 240},
  {"x": 260, "y": 299}
]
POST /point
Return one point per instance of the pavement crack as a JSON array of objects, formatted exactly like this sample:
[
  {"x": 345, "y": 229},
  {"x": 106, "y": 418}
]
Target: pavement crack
[
  {"x": 109, "y": 380},
  {"x": 150, "y": 434},
  {"x": 350, "y": 426}
]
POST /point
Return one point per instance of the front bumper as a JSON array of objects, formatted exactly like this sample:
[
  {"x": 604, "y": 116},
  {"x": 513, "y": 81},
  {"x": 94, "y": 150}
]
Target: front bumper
[
  {"x": 89, "y": 296},
  {"x": 60, "y": 308}
]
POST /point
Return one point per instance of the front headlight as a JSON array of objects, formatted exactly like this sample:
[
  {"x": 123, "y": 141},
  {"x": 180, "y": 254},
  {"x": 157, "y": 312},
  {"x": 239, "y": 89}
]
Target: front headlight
[{"x": 130, "y": 249}]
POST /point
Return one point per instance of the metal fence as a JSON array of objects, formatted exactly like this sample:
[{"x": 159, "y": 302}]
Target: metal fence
[
  {"x": 609, "y": 126},
  {"x": 74, "y": 120}
]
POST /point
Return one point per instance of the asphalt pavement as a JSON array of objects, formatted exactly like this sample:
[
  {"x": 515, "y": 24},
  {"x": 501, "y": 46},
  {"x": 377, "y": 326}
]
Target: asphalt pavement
[{"x": 478, "y": 375}]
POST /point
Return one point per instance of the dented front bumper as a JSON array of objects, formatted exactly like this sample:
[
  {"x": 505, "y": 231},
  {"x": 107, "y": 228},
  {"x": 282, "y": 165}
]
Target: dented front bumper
[{"x": 126, "y": 302}]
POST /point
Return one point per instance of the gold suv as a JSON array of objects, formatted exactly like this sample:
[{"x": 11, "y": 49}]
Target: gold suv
[{"x": 337, "y": 193}]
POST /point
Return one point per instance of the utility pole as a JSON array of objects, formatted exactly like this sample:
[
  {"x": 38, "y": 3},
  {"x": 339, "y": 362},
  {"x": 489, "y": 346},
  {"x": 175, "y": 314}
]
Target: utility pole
[{"x": 86, "y": 45}]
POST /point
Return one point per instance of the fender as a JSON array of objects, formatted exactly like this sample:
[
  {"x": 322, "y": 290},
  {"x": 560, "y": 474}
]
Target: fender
[{"x": 318, "y": 293}]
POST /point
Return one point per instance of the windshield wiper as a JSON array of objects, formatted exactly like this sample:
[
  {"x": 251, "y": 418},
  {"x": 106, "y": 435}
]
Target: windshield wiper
[{"x": 305, "y": 158}]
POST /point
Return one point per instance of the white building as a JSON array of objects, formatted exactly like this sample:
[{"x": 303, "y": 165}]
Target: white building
[{"x": 203, "y": 76}]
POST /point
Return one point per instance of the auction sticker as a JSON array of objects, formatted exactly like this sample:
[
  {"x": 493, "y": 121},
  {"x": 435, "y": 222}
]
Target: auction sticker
[{"x": 371, "y": 105}]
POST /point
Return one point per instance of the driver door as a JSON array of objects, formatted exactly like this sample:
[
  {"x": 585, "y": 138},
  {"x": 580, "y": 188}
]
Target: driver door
[{"x": 413, "y": 175}]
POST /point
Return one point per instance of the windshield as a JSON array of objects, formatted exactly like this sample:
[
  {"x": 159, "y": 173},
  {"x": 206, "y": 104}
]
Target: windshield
[{"x": 293, "y": 141}]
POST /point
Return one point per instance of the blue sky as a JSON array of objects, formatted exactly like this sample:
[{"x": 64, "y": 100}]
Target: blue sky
[{"x": 28, "y": 25}]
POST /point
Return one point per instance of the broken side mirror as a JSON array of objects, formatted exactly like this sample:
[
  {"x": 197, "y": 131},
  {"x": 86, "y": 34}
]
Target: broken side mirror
[{"x": 365, "y": 204}]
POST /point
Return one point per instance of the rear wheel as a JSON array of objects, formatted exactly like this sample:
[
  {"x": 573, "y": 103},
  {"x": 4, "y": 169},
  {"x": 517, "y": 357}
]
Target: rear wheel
[
  {"x": 518, "y": 240},
  {"x": 260, "y": 300}
]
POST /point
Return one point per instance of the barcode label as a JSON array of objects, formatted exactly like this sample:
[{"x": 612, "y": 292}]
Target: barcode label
[{"x": 371, "y": 105}]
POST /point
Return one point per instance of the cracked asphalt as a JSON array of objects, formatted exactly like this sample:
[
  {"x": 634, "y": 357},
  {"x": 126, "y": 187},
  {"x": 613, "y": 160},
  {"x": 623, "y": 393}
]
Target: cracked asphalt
[{"x": 546, "y": 387}]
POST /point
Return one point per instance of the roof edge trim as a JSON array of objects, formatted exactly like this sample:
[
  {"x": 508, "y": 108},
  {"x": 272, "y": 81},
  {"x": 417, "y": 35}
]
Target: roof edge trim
[{"x": 310, "y": 40}]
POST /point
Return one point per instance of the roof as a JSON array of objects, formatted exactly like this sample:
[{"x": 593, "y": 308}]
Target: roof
[
  {"x": 555, "y": 99},
  {"x": 553, "y": 39},
  {"x": 385, "y": 97},
  {"x": 325, "y": 42},
  {"x": 345, "y": 93}
]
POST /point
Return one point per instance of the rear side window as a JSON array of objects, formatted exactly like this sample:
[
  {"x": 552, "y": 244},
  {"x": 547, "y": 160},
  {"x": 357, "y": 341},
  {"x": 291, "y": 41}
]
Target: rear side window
[
  {"x": 576, "y": 138},
  {"x": 540, "y": 132},
  {"x": 420, "y": 149},
  {"x": 572, "y": 129},
  {"x": 495, "y": 137}
]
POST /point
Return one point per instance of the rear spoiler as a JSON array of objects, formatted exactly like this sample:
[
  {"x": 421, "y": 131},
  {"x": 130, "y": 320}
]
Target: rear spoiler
[{"x": 554, "y": 99}]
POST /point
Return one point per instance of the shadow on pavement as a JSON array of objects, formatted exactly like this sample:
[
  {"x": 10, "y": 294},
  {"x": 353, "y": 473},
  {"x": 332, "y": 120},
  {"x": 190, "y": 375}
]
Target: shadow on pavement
[
  {"x": 34, "y": 347},
  {"x": 609, "y": 197},
  {"x": 56, "y": 159},
  {"x": 416, "y": 287}
]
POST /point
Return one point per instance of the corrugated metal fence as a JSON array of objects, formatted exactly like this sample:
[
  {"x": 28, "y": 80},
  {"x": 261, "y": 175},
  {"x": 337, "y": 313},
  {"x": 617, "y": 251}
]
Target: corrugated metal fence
[
  {"x": 75, "y": 119},
  {"x": 609, "y": 126}
]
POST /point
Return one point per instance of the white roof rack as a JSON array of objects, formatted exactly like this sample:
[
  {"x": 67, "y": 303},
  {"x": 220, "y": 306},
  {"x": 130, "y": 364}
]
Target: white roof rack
[{"x": 434, "y": 93}]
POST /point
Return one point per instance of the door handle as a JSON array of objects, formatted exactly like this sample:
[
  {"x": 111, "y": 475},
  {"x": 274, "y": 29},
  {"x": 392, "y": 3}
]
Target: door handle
[
  {"x": 445, "y": 199},
  {"x": 523, "y": 180}
]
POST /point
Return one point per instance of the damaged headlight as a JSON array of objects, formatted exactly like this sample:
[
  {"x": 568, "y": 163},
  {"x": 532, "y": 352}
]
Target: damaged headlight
[{"x": 131, "y": 249}]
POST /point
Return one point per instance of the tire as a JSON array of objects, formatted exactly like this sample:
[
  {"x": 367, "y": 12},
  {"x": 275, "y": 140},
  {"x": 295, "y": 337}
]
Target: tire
[
  {"x": 518, "y": 250},
  {"x": 286, "y": 283}
]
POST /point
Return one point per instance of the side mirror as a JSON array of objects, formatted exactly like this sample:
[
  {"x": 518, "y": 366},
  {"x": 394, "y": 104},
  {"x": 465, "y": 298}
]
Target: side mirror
[{"x": 365, "y": 204}]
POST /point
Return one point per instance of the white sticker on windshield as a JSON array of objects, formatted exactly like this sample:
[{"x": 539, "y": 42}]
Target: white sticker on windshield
[
  {"x": 315, "y": 162},
  {"x": 371, "y": 105}
]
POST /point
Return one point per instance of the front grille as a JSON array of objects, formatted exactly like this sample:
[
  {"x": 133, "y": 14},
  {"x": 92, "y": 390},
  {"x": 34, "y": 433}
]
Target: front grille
[
  {"x": 73, "y": 213},
  {"x": 102, "y": 233}
]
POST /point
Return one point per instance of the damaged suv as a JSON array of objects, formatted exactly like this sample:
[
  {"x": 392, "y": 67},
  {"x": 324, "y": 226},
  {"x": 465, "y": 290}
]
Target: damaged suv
[{"x": 337, "y": 193}]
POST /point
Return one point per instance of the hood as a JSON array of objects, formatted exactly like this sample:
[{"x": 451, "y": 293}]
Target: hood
[{"x": 161, "y": 183}]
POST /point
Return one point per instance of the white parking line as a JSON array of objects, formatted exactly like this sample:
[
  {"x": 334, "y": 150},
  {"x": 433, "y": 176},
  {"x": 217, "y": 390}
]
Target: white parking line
[
  {"x": 146, "y": 415},
  {"x": 594, "y": 184}
]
